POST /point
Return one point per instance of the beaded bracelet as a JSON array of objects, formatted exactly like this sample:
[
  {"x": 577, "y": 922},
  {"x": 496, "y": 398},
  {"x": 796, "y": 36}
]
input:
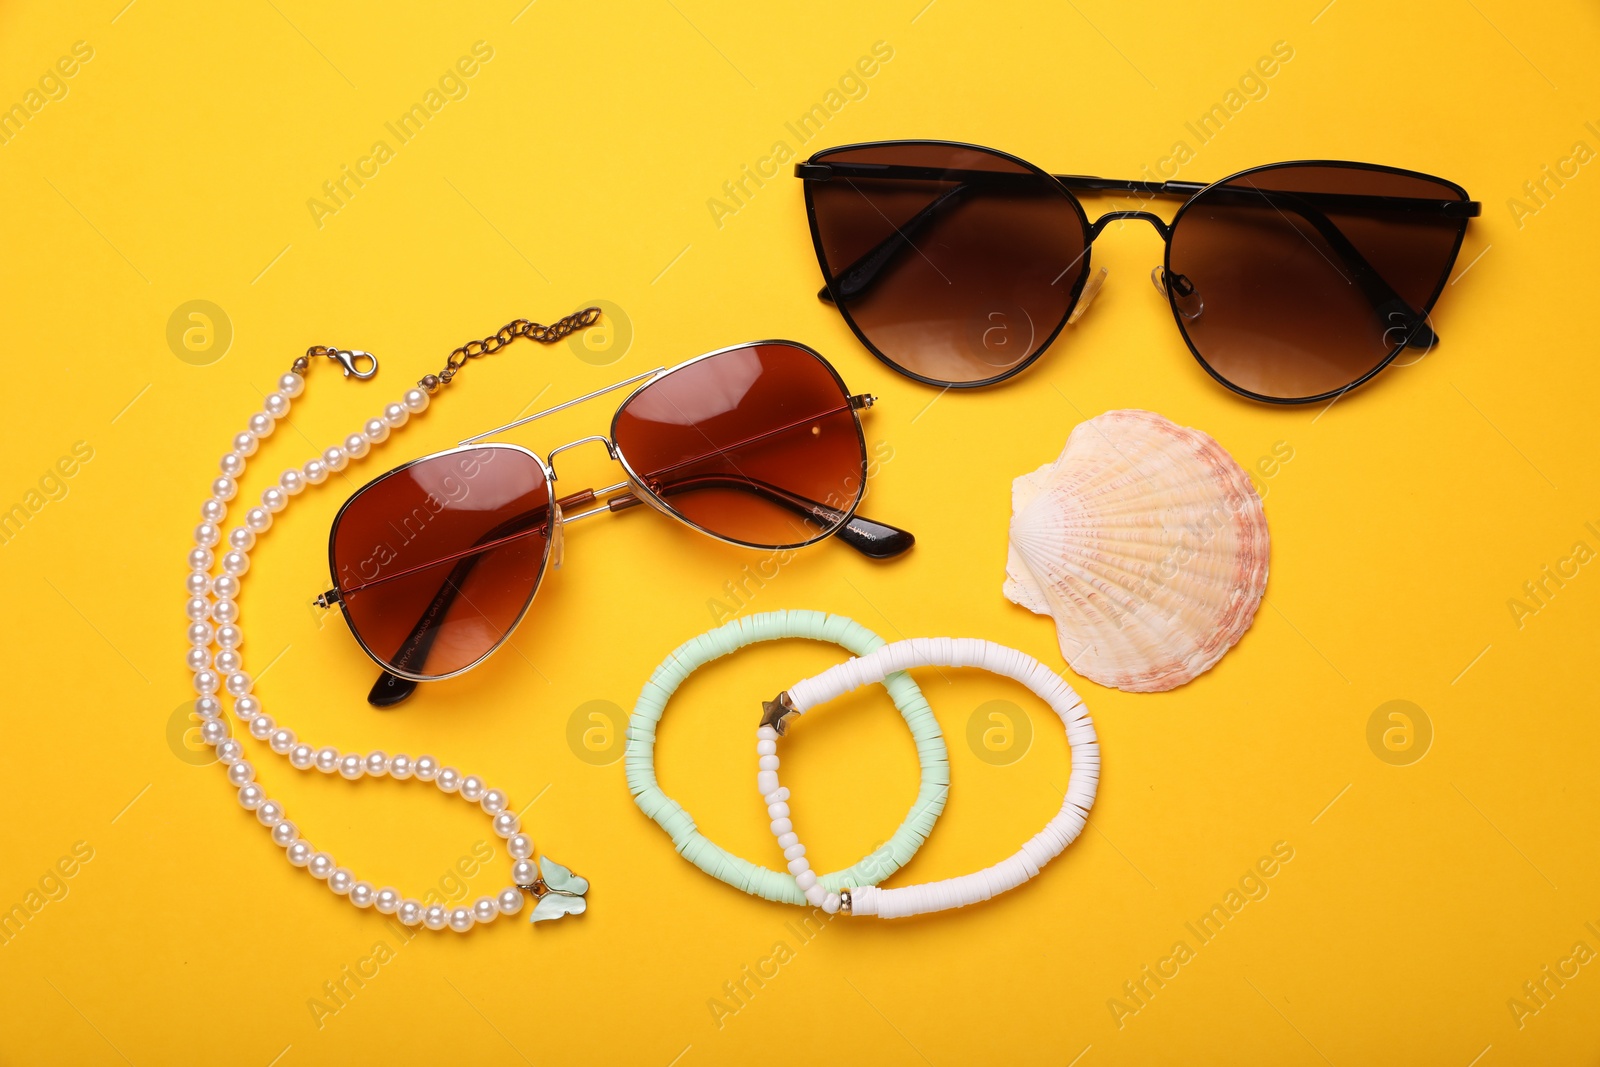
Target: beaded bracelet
[
  {"x": 639, "y": 759},
  {"x": 950, "y": 893}
]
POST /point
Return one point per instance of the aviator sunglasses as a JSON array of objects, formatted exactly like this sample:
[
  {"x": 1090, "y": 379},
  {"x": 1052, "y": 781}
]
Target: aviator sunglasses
[
  {"x": 760, "y": 445},
  {"x": 958, "y": 265}
]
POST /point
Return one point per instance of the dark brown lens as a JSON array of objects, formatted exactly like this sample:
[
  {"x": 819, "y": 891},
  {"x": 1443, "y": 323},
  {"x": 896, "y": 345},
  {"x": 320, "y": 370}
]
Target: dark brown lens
[
  {"x": 435, "y": 562},
  {"x": 757, "y": 444},
  {"x": 1296, "y": 281},
  {"x": 958, "y": 265}
]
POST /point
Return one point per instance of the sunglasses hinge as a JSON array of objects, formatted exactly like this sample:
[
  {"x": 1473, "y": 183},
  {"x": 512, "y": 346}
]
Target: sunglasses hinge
[
  {"x": 862, "y": 401},
  {"x": 327, "y": 599},
  {"x": 816, "y": 172}
]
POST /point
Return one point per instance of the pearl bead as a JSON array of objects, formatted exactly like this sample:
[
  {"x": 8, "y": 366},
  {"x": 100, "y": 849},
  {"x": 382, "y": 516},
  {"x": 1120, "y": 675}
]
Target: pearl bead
[
  {"x": 523, "y": 872},
  {"x": 229, "y": 660},
  {"x": 231, "y": 464},
  {"x": 225, "y": 488},
  {"x": 275, "y": 404},
  {"x": 208, "y": 708},
  {"x": 206, "y": 682},
  {"x": 291, "y": 384},
  {"x": 235, "y": 562},
  {"x": 299, "y": 853},
  {"x": 261, "y": 727},
  {"x": 509, "y": 901},
  {"x": 245, "y": 443},
  {"x": 247, "y": 707},
  {"x": 409, "y": 913},
  {"x": 386, "y": 900},
  {"x": 520, "y": 846},
  {"x": 261, "y": 424},
  {"x": 506, "y": 823},
  {"x": 315, "y": 471},
  {"x": 198, "y": 608},
  {"x": 196, "y": 583},
  {"x": 281, "y": 741},
  {"x": 485, "y": 910},
  {"x": 334, "y": 458},
  {"x": 251, "y": 796},
  {"x": 270, "y": 813},
  {"x": 461, "y": 920},
  {"x": 448, "y": 779},
  {"x": 241, "y": 774},
  {"x": 229, "y": 636},
  {"x": 472, "y": 788},
  {"x": 292, "y": 481},
  {"x": 258, "y": 519},
  {"x": 376, "y": 431},
  {"x": 341, "y": 881},
  {"x": 285, "y": 834},
  {"x": 200, "y": 559},
  {"x": 327, "y": 760},
  {"x": 400, "y": 767},
  {"x": 225, "y": 610},
  {"x": 230, "y": 751},
  {"x": 351, "y": 766},
  {"x": 415, "y": 400},
  {"x": 493, "y": 801},
  {"x": 214, "y": 731},
  {"x": 213, "y": 510},
  {"x": 198, "y": 659},
  {"x": 426, "y": 768},
  {"x": 242, "y": 537},
  {"x": 395, "y": 415},
  {"x": 207, "y": 534},
  {"x": 301, "y": 756},
  {"x": 356, "y": 446},
  {"x": 376, "y": 765},
  {"x": 321, "y": 865},
  {"x": 238, "y": 683},
  {"x": 274, "y": 499},
  {"x": 435, "y": 917},
  {"x": 362, "y": 894},
  {"x": 226, "y": 586}
]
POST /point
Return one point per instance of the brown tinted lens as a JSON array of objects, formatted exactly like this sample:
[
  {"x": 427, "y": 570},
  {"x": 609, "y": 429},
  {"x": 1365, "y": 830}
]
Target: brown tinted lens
[
  {"x": 954, "y": 263},
  {"x": 1295, "y": 281},
  {"x": 757, "y": 444},
  {"x": 436, "y": 561}
]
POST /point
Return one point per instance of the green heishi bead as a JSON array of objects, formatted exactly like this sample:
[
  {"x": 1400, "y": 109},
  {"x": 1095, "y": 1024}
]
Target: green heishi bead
[{"x": 692, "y": 845}]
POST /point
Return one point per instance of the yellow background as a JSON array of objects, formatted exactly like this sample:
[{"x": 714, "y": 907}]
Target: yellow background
[{"x": 578, "y": 167}]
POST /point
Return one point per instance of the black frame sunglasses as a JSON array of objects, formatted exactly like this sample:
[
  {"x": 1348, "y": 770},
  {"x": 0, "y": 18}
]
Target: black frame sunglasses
[{"x": 1317, "y": 273}]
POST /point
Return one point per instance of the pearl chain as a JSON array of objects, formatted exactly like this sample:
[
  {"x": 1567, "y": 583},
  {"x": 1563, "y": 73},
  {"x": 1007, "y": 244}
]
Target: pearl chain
[{"x": 213, "y": 613}]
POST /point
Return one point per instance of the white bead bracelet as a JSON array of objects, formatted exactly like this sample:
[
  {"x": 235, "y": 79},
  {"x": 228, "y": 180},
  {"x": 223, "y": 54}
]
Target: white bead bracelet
[{"x": 950, "y": 893}]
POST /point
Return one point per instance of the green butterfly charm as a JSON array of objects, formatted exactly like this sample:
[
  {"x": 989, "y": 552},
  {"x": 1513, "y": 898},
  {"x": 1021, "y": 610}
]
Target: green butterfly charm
[{"x": 560, "y": 892}]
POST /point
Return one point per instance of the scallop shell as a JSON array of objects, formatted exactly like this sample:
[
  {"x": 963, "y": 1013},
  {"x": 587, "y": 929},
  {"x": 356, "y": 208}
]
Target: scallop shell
[{"x": 1146, "y": 543}]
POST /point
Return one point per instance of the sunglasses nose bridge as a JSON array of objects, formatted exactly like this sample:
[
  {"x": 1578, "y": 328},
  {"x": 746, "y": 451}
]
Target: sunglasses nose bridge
[
  {"x": 1109, "y": 217},
  {"x": 550, "y": 460}
]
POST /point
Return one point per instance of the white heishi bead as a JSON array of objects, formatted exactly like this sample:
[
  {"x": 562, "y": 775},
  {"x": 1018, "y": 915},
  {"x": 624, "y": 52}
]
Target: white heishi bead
[
  {"x": 768, "y": 763},
  {"x": 198, "y": 608},
  {"x": 400, "y": 766},
  {"x": 352, "y": 766},
  {"x": 241, "y": 774},
  {"x": 341, "y": 881},
  {"x": 225, "y": 488},
  {"x": 225, "y": 610},
  {"x": 766, "y": 733},
  {"x": 794, "y": 852},
  {"x": 362, "y": 894},
  {"x": 225, "y": 586},
  {"x": 214, "y": 731},
  {"x": 274, "y": 499},
  {"x": 816, "y": 895},
  {"x": 247, "y": 707},
  {"x": 493, "y": 802},
  {"x": 231, "y": 464},
  {"x": 506, "y": 823},
  {"x": 409, "y": 912},
  {"x": 472, "y": 788},
  {"x": 520, "y": 846},
  {"x": 766, "y": 748},
  {"x": 788, "y": 838},
  {"x": 270, "y": 813},
  {"x": 258, "y": 519},
  {"x": 302, "y": 756},
  {"x": 315, "y": 471},
  {"x": 261, "y": 424},
  {"x": 242, "y": 537},
  {"x": 805, "y": 880},
  {"x": 197, "y": 584},
  {"x": 292, "y": 481},
  {"x": 213, "y": 510},
  {"x": 275, "y": 404},
  {"x": 415, "y": 400},
  {"x": 448, "y": 779},
  {"x": 229, "y": 636},
  {"x": 376, "y": 431},
  {"x": 395, "y": 415},
  {"x": 782, "y": 826},
  {"x": 281, "y": 741},
  {"x": 285, "y": 834},
  {"x": 766, "y": 782},
  {"x": 291, "y": 384},
  {"x": 356, "y": 446},
  {"x": 208, "y": 708},
  {"x": 830, "y": 903},
  {"x": 245, "y": 443},
  {"x": 327, "y": 759},
  {"x": 198, "y": 659},
  {"x": 799, "y": 866},
  {"x": 779, "y": 810},
  {"x": 386, "y": 901},
  {"x": 434, "y": 917},
  {"x": 334, "y": 458},
  {"x": 485, "y": 910},
  {"x": 230, "y": 751},
  {"x": 299, "y": 854},
  {"x": 523, "y": 872},
  {"x": 251, "y": 796},
  {"x": 425, "y": 768},
  {"x": 207, "y": 534},
  {"x": 509, "y": 900},
  {"x": 228, "y": 661},
  {"x": 777, "y": 797}
]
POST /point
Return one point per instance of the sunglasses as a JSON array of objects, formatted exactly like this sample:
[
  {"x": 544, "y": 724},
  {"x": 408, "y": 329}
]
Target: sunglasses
[
  {"x": 758, "y": 445},
  {"x": 958, "y": 265}
]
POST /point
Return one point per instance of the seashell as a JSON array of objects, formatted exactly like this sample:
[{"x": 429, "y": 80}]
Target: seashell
[{"x": 1146, "y": 543}]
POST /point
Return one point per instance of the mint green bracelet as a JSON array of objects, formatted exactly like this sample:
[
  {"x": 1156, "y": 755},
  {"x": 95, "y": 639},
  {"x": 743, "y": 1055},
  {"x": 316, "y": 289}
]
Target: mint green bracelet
[{"x": 639, "y": 757}]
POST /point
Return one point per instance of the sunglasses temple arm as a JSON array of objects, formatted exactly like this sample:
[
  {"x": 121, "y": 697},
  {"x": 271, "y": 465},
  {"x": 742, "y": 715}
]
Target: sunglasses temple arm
[{"x": 859, "y": 276}]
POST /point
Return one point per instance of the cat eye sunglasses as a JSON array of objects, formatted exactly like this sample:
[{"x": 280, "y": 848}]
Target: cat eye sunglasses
[
  {"x": 959, "y": 265},
  {"x": 435, "y": 562}
]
